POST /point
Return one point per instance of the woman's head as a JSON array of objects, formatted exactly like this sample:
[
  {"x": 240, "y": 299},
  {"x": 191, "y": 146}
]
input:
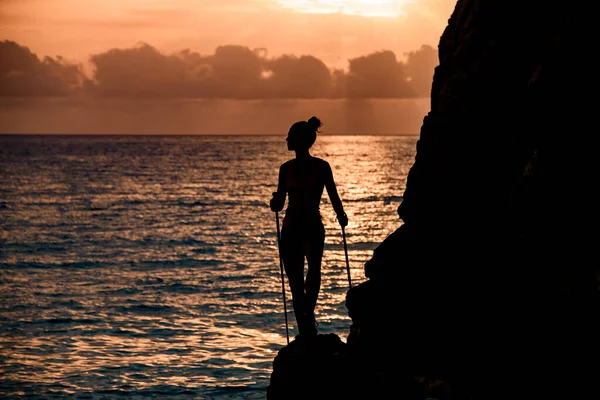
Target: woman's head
[{"x": 302, "y": 134}]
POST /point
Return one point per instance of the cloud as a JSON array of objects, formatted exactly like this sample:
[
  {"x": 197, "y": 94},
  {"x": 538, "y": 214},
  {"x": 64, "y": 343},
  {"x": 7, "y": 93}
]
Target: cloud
[
  {"x": 301, "y": 77},
  {"x": 77, "y": 28},
  {"x": 142, "y": 71},
  {"x": 231, "y": 72},
  {"x": 137, "y": 72},
  {"x": 378, "y": 75},
  {"x": 238, "y": 72},
  {"x": 22, "y": 73},
  {"x": 418, "y": 68}
]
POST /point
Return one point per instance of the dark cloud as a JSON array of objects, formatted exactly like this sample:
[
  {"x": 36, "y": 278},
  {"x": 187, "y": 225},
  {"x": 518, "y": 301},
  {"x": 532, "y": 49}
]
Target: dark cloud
[
  {"x": 141, "y": 71},
  {"x": 299, "y": 77},
  {"x": 231, "y": 72},
  {"x": 419, "y": 67},
  {"x": 378, "y": 75},
  {"x": 22, "y": 73},
  {"x": 238, "y": 71}
]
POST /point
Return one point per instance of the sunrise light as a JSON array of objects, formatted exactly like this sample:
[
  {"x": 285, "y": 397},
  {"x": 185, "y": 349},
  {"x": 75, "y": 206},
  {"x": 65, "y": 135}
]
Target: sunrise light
[{"x": 365, "y": 8}]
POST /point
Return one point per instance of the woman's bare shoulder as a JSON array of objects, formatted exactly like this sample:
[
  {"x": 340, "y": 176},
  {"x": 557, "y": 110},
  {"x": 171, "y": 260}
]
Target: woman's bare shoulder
[
  {"x": 320, "y": 161},
  {"x": 287, "y": 164},
  {"x": 323, "y": 164}
]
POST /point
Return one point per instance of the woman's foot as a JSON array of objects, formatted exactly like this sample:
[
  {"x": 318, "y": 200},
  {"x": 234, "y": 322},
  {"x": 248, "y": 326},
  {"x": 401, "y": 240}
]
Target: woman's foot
[
  {"x": 310, "y": 325},
  {"x": 307, "y": 326}
]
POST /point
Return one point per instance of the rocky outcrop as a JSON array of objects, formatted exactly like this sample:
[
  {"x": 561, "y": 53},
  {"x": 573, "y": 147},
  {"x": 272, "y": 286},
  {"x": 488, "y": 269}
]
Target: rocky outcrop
[{"x": 492, "y": 277}]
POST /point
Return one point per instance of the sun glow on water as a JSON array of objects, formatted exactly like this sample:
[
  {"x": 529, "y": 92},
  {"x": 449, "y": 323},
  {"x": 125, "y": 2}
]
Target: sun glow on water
[
  {"x": 365, "y": 8},
  {"x": 151, "y": 262}
]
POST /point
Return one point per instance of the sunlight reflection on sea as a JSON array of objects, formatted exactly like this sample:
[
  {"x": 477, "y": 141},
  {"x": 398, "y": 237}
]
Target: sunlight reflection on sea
[{"x": 148, "y": 265}]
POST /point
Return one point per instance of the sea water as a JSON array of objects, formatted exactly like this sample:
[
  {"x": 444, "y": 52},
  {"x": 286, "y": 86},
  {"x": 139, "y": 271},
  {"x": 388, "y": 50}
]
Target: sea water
[{"x": 148, "y": 266}]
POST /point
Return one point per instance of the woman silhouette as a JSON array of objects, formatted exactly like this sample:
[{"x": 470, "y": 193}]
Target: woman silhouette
[{"x": 303, "y": 234}]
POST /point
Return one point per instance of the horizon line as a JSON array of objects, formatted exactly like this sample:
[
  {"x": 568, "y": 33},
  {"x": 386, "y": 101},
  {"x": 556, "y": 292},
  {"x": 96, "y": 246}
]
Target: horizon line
[{"x": 202, "y": 134}]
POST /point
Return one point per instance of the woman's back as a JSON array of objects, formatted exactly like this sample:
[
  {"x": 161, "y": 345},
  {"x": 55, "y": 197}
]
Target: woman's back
[{"x": 304, "y": 180}]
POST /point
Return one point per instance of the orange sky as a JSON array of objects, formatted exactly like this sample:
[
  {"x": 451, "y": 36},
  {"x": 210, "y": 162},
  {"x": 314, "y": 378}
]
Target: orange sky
[{"x": 331, "y": 30}]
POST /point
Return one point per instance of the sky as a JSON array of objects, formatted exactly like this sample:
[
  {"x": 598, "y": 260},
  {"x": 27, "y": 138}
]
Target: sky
[
  {"x": 332, "y": 30},
  {"x": 84, "y": 32}
]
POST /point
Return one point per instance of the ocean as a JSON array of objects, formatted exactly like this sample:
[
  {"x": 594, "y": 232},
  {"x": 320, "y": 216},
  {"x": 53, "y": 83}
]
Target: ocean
[{"x": 147, "y": 266}]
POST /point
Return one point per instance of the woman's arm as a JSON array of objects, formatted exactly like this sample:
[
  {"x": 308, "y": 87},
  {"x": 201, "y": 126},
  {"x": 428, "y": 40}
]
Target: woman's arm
[
  {"x": 334, "y": 197},
  {"x": 278, "y": 199}
]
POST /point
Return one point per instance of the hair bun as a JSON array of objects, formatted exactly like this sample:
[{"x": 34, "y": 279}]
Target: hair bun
[{"x": 314, "y": 122}]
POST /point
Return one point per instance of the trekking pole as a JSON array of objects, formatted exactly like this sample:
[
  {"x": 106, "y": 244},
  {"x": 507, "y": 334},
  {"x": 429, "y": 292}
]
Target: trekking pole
[
  {"x": 287, "y": 334},
  {"x": 346, "y": 252}
]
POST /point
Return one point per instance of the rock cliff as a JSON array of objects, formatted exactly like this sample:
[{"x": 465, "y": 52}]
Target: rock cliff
[{"x": 490, "y": 284}]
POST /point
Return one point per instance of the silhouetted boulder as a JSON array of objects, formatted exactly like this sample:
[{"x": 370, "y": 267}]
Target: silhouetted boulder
[
  {"x": 311, "y": 368},
  {"x": 324, "y": 367}
]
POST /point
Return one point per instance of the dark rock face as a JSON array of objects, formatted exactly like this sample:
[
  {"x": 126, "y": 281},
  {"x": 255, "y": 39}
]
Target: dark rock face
[
  {"x": 324, "y": 367},
  {"x": 493, "y": 276},
  {"x": 306, "y": 369}
]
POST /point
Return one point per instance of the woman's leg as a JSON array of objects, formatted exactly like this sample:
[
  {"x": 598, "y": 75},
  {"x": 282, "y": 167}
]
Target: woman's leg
[
  {"x": 293, "y": 262},
  {"x": 314, "y": 256}
]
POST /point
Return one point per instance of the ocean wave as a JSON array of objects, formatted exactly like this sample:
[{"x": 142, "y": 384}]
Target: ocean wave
[
  {"x": 145, "y": 309},
  {"x": 367, "y": 199},
  {"x": 392, "y": 199},
  {"x": 375, "y": 199},
  {"x": 188, "y": 242},
  {"x": 69, "y": 320},
  {"x": 183, "y": 263},
  {"x": 353, "y": 246},
  {"x": 197, "y": 203},
  {"x": 121, "y": 291},
  {"x": 71, "y": 304},
  {"x": 162, "y": 391},
  {"x": 149, "y": 280},
  {"x": 48, "y": 265},
  {"x": 59, "y": 321},
  {"x": 183, "y": 288}
]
